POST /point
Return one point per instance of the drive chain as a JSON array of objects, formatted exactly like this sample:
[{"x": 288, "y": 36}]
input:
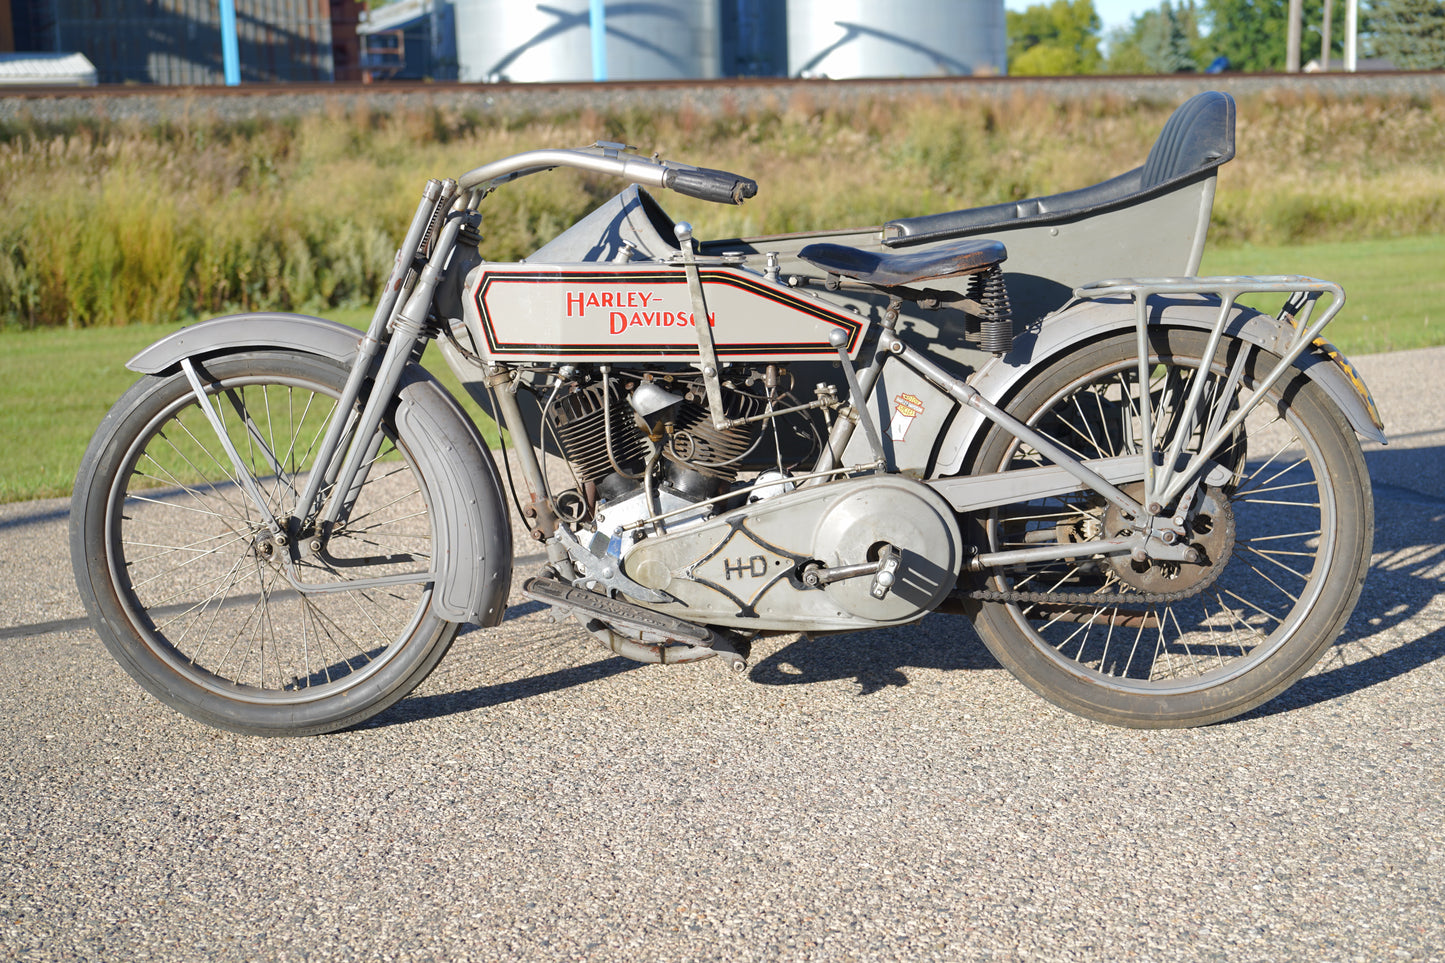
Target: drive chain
[{"x": 1131, "y": 599}]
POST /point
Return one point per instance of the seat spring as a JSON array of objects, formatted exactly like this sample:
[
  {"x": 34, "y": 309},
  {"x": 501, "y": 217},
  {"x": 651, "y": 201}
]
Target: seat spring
[{"x": 996, "y": 327}]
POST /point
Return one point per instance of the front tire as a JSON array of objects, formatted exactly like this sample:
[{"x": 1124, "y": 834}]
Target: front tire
[
  {"x": 194, "y": 598},
  {"x": 1295, "y": 522}
]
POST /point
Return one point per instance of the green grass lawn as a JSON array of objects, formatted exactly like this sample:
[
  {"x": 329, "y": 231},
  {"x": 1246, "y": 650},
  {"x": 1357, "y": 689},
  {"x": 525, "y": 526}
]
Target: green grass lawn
[
  {"x": 1394, "y": 290},
  {"x": 55, "y": 385}
]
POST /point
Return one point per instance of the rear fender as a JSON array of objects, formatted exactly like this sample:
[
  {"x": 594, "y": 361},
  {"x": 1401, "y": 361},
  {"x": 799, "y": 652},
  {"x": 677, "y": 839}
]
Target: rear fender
[
  {"x": 474, "y": 547},
  {"x": 1086, "y": 321}
]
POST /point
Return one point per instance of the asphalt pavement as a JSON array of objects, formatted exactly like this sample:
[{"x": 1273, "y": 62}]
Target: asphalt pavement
[{"x": 888, "y": 796}]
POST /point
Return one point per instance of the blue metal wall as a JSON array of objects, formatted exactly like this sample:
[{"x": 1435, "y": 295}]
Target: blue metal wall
[{"x": 179, "y": 41}]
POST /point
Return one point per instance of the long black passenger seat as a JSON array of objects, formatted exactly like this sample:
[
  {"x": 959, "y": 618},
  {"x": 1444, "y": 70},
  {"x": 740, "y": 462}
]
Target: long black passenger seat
[{"x": 1198, "y": 138}]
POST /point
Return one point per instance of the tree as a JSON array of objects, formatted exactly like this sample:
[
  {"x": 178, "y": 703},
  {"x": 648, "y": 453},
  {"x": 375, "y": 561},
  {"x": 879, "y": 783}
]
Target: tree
[
  {"x": 1124, "y": 53},
  {"x": 1169, "y": 43},
  {"x": 1253, "y": 33},
  {"x": 1409, "y": 33},
  {"x": 1162, "y": 41},
  {"x": 1061, "y": 37}
]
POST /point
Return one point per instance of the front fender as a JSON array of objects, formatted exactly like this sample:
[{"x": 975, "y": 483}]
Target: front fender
[
  {"x": 473, "y": 548},
  {"x": 238, "y": 332},
  {"x": 1086, "y": 321}
]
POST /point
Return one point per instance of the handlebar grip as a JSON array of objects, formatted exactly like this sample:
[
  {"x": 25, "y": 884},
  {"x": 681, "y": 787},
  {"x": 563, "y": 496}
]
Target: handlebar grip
[{"x": 711, "y": 185}]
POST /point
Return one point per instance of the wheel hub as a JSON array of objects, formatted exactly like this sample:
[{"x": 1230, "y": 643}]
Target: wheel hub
[
  {"x": 265, "y": 549},
  {"x": 1208, "y": 529}
]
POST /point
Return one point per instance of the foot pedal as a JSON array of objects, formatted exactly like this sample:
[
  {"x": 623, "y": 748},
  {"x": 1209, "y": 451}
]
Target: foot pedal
[
  {"x": 647, "y": 625},
  {"x": 887, "y": 573}
]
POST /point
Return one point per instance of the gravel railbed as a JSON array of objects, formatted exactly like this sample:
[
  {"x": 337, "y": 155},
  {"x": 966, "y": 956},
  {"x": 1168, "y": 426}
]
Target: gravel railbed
[
  {"x": 150, "y": 105},
  {"x": 887, "y": 796}
]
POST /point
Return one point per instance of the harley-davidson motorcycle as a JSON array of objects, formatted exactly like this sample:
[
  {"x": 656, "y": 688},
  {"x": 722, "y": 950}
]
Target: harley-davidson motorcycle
[{"x": 1144, "y": 489}]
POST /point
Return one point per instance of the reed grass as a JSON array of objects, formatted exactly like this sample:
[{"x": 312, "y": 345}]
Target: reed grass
[{"x": 108, "y": 223}]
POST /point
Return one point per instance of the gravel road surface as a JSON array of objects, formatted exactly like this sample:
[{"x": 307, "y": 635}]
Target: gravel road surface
[{"x": 888, "y": 796}]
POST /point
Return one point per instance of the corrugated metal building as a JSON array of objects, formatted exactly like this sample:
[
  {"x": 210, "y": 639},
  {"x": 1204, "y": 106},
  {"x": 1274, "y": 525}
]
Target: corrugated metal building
[{"x": 179, "y": 41}]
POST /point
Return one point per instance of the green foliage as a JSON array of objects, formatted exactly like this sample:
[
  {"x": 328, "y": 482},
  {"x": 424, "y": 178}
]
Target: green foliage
[
  {"x": 1309, "y": 169},
  {"x": 1170, "y": 42},
  {"x": 1409, "y": 33},
  {"x": 1125, "y": 55},
  {"x": 1054, "y": 39},
  {"x": 1253, "y": 34},
  {"x": 1162, "y": 41},
  {"x": 197, "y": 219}
]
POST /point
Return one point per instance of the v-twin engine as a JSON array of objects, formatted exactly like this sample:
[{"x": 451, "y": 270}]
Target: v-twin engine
[
  {"x": 640, "y": 449},
  {"x": 606, "y": 438},
  {"x": 654, "y": 473}
]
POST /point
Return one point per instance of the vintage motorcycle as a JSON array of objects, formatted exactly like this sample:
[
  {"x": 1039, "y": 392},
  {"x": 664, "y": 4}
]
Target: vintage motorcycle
[{"x": 1145, "y": 492}]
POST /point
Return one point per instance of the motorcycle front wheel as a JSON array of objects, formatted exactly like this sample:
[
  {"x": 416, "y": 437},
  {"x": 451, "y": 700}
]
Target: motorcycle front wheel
[
  {"x": 198, "y": 600},
  {"x": 1282, "y": 545}
]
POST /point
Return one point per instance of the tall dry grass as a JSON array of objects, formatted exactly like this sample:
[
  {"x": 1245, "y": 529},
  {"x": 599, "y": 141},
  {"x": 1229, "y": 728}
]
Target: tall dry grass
[{"x": 106, "y": 223}]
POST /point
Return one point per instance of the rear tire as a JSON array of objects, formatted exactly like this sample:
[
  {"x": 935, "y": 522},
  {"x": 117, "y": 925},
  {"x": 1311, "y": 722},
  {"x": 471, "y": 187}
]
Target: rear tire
[
  {"x": 1297, "y": 513},
  {"x": 191, "y": 595}
]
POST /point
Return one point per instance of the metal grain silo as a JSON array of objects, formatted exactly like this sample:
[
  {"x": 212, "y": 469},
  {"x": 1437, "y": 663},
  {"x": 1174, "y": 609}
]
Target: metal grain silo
[
  {"x": 527, "y": 42},
  {"x": 895, "y": 38}
]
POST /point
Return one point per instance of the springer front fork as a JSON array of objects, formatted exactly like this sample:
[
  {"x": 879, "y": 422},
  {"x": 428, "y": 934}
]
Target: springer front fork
[{"x": 353, "y": 437}]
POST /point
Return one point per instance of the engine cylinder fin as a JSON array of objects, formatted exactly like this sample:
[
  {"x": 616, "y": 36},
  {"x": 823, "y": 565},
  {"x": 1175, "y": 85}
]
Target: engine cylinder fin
[
  {"x": 697, "y": 445},
  {"x": 582, "y": 431}
]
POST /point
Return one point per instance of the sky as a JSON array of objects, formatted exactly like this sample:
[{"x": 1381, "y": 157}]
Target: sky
[{"x": 1113, "y": 13}]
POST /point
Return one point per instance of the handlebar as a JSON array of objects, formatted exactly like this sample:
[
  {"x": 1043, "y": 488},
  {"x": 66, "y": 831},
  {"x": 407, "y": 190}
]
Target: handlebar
[
  {"x": 712, "y": 185},
  {"x": 703, "y": 183}
]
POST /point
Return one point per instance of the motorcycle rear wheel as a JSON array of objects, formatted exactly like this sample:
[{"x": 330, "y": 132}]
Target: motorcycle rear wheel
[
  {"x": 1297, "y": 515},
  {"x": 189, "y": 591}
]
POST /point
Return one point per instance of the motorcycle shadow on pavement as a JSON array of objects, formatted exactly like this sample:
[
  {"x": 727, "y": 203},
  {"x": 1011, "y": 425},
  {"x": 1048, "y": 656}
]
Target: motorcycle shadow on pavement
[
  {"x": 1398, "y": 626},
  {"x": 876, "y": 660}
]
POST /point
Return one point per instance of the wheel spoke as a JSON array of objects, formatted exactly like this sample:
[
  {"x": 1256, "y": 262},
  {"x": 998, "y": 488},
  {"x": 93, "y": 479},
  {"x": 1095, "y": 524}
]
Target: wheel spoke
[
  {"x": 1268, "y": 557},
  {"x": 1269, "y": 461}
]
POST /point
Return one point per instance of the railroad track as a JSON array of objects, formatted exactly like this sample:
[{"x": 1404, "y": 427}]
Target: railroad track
[{"x": 740, "y": 93}]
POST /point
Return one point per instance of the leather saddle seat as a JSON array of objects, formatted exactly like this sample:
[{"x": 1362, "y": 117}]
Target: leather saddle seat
[{"x": 887, "y": 270}]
